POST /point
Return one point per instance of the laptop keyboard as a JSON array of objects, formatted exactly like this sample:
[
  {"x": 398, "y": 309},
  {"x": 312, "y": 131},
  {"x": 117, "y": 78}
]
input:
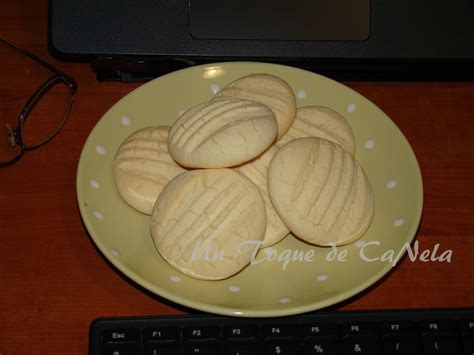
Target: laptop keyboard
[{"x": 421, "y": 331}]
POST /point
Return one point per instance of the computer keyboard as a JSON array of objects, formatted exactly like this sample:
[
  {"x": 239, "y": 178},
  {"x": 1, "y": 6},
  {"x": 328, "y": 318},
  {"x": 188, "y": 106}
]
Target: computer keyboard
[{"x": 404, "y": 332}]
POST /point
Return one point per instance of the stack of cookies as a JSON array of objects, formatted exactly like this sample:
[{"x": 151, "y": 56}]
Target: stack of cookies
[{"x": 241, "y": 171}]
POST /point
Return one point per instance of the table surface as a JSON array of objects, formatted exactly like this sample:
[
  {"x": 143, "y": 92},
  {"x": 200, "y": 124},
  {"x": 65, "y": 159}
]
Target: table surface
[{"x": 54, "y": 282}]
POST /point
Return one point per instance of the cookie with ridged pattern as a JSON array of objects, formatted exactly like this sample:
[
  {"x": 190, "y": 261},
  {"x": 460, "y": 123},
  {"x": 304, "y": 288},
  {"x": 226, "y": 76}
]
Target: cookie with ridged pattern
[
  {"x": 320, "y": 191},
  {"x": 222, "y": 133},
  {"x": 208, "y": 223},
  {"x": 143, "y": 166},
  {"x": 256, "y": 170},
  {"x": 321, "y": 122},
  {"x": 269, "y": 90}
]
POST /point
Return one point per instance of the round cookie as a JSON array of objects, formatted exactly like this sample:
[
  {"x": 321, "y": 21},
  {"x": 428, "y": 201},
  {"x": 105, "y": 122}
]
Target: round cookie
[
  {"x": 320, "y": 192},
  {"x": 143, "y": 166},
  {"x": 207, "y": 223},
  {"x": 321, "y": 122},
  {"x": 222, "y": 133},
  {"x": 269, "y": 90},
  {"x": 256, "y": 170}
]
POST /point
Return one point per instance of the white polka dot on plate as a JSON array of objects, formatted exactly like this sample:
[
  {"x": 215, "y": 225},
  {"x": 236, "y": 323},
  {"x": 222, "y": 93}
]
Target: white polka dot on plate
[
  {"x": 398, "y": 222},
  {"x": 114, "y": 253},
  {"x": 175, "y": 278},
  {"x": 351, "y": 108},
  {"x": 215, "y": 88},
  {"x": 100, "y": 149},
  {"x": 369, "y": 144},
  {"x": 321, "y": 277},
  {"x": 98, "y": 215},
  {"x": 301, "y": 94},
  {"x": 126, "y": 121},
  {"x": 284, "y": 300},
  {"x": 95, "y": 184},
  {"x": 234, "y": 288},
  {"x": 390, "y": 184}
]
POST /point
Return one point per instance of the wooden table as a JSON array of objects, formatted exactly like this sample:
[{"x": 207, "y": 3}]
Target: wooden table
[{"x": 54, "y": 282}]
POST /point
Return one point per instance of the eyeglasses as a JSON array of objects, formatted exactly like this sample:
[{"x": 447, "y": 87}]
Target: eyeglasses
[{"x": 45, "y": 111}]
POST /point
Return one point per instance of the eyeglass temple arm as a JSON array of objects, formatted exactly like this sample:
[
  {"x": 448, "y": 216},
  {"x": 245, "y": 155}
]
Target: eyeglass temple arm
[{"x": 41, "y": 61}]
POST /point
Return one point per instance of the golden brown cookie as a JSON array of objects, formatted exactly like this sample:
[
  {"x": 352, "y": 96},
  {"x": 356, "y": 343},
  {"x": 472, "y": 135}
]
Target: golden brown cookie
[
  {"x": 143, "y": 166},
  {"x": 269, "y": 90},
  {"x": 256, "y": 170},
  {"x": 320, "y": 191},
  {"x": 321, "y": 122},
  {"x": 222, "y": 133},
  {"x": 203, "y": 219}
]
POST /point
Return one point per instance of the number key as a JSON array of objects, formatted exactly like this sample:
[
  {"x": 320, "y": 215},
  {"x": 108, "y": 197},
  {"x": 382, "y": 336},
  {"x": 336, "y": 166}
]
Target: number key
[
  {"x": 468, "y": 343},
  {"x": 440, "y": 345},
  {"x": 467, "y": 327},
  {"x": 321, "y": 347},
  {"x": 242, "y": 349},
  {"x": 401, "y": 346},
  {"x": 361, "y": 346},
  {"x": 202, "y": 349},
  {"x": 160, "y": 349},
  {"x": 280, "y": 349}
]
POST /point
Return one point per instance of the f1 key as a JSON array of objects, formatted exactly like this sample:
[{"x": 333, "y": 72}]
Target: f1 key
[{"x": 165, "y": 334}]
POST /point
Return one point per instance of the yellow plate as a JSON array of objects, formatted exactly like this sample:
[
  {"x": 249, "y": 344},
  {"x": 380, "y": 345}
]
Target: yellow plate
[{"x": 269, "y": 287}]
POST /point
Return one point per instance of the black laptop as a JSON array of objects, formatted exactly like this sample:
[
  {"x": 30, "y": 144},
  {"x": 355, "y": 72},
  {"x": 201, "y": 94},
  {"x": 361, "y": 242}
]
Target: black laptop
[{"x": 344, "y": 39}]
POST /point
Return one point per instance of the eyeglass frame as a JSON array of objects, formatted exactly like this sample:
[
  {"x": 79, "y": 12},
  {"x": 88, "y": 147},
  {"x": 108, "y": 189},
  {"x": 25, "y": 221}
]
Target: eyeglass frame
[{"x": 14, "y": 135}]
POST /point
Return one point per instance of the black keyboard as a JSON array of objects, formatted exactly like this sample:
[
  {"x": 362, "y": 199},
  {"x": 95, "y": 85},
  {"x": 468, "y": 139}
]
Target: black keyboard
[{"x": 427, "y": 332}]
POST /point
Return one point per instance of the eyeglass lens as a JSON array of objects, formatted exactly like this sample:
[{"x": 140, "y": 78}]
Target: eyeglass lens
[{"x": 46, "y": 115}]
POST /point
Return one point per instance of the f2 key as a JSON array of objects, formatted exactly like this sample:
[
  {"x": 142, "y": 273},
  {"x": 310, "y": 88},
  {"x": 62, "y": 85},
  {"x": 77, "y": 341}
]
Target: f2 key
[{"x": 201, "y": 333}]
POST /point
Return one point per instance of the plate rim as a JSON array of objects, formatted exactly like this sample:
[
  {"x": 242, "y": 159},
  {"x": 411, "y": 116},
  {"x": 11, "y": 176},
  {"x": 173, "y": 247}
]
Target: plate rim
[{"x": 229, "y": 311}]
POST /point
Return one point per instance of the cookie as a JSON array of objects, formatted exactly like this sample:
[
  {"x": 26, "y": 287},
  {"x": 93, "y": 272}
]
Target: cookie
[
  {"x": 143, "y": 166},
  {"x": 320, "y": 192},
  {"x": 321, "y": 122},
  {"x": 206, "y": 223},
  {"x": 222, "y": 133},
  {"x": 256, "y": 171},
  {"x": 269, "y": 90}
]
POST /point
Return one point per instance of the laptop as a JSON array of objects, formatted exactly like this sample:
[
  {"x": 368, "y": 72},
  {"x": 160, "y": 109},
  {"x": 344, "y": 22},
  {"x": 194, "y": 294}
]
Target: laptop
[{"x": 343, "y": 39}]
